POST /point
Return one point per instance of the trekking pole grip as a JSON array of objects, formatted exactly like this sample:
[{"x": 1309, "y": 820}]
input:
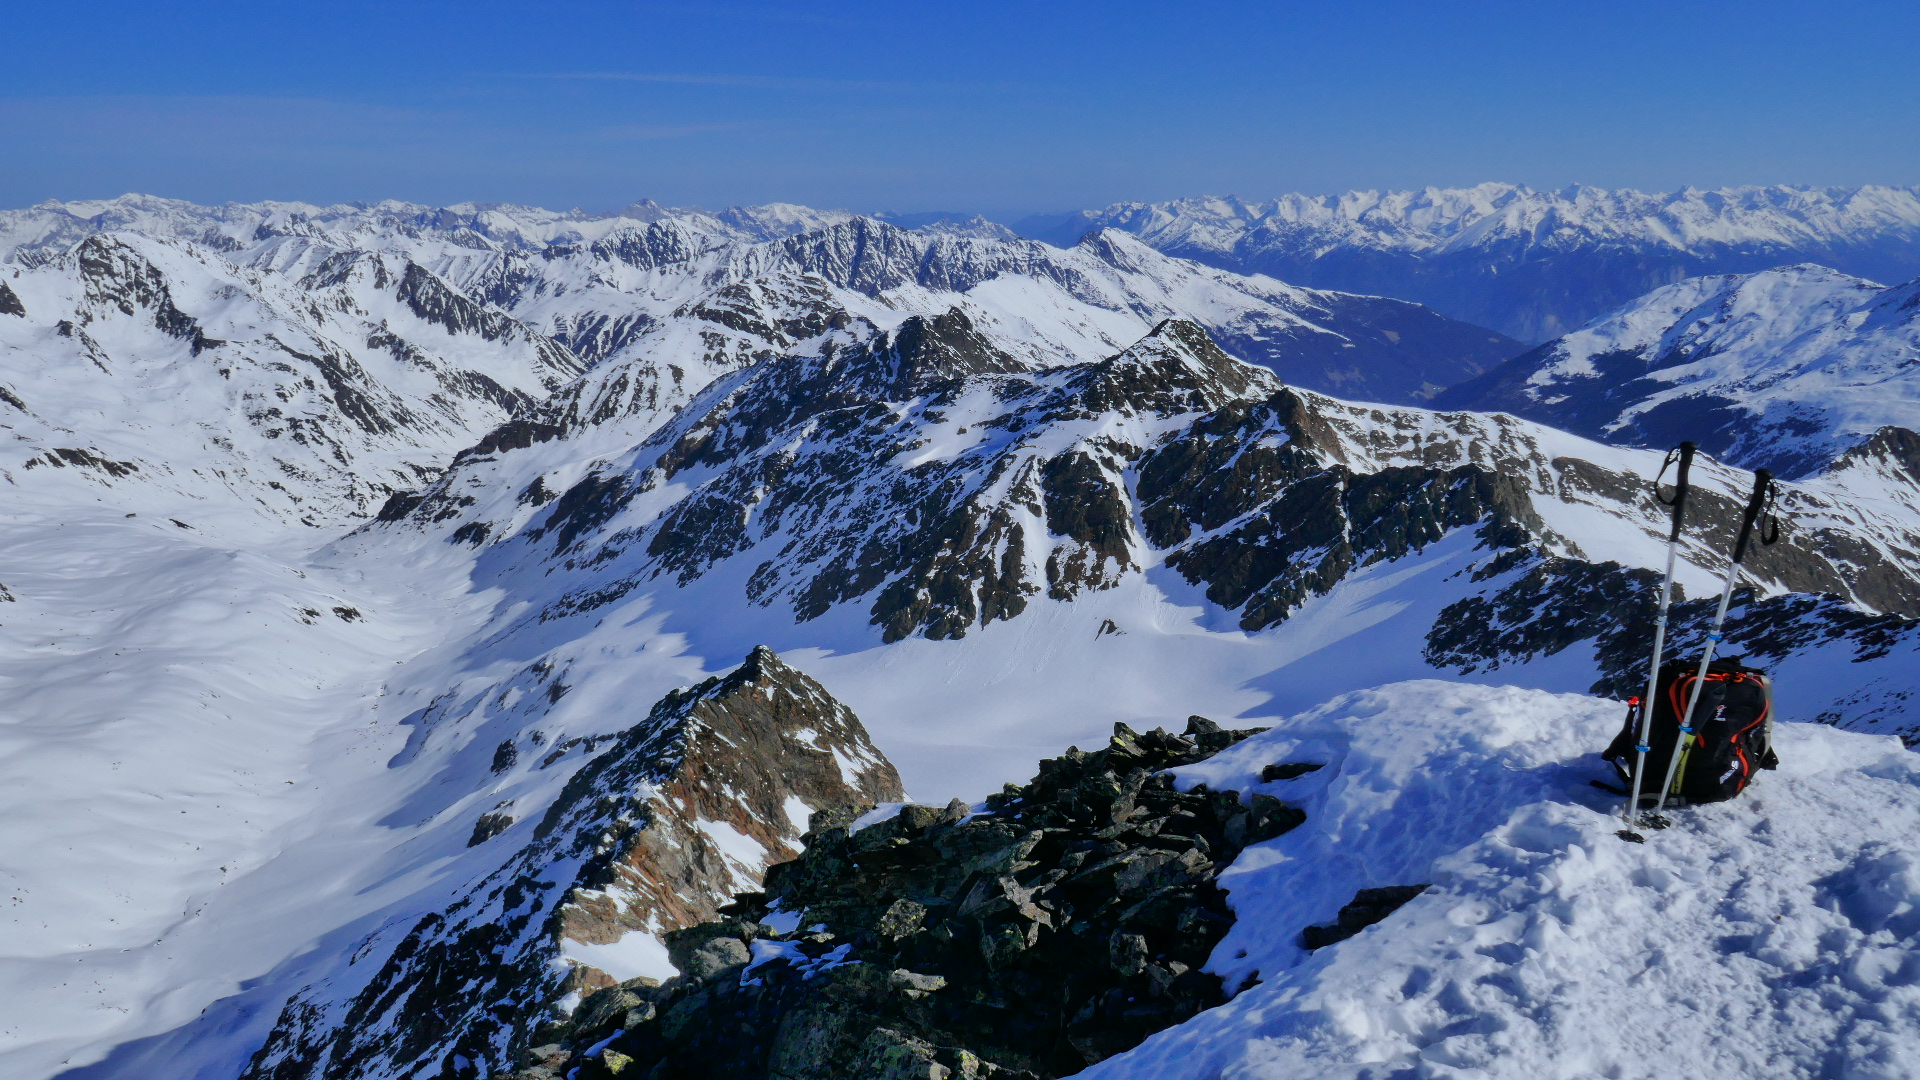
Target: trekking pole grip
[
  {"x": 1684, "y": 455},
  {"x": 1762, "y": 494}
]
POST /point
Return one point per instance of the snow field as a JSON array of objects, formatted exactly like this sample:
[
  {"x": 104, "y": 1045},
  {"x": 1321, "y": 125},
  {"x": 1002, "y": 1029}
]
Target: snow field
[
  {"x": 1774, "y": 935},
  {"x": 170, "y": 709}
]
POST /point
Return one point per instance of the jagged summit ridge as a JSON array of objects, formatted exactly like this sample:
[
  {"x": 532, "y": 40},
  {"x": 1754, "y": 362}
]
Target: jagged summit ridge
[{"x": 938, "y": 507}]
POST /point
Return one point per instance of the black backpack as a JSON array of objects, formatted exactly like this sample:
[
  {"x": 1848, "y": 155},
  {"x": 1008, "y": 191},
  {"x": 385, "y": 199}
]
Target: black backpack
[{"x": 1732, "y": 729}]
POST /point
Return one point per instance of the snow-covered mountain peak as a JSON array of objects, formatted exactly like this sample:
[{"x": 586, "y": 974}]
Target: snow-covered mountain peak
[
  {"x": 1786, "y": 368},
  {"x": 217, "y": 388}
]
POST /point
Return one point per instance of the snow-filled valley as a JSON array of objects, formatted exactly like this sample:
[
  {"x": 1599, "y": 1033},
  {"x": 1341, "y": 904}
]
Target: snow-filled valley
[{"x": 350, "y": 562}]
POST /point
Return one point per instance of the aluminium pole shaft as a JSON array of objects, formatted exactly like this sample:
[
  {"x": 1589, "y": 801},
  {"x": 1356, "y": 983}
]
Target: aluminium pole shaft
[{"x": 1685, "y": 451}]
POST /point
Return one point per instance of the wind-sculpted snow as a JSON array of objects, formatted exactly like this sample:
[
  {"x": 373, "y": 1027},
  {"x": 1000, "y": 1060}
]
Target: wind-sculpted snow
[
  {"x": 1785, "y": 369},
  {"x": 1771, "y": 935},
  {"x": 1531, "y": 264}
]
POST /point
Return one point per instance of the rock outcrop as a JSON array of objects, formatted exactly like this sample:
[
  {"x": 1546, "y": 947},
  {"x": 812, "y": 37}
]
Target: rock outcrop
[
  {"x": 1059, "y": 924},
  {"x": 672, "y": 816}
]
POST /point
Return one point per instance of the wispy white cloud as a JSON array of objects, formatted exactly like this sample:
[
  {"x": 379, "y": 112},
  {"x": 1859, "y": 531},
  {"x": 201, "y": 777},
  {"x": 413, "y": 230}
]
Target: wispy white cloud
[
  {"x": 747, "y": 82},
  {"x": 754, "y": 82}
]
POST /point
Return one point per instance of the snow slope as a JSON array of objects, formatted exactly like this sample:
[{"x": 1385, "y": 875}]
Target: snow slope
[
  {"x": 1774, "y": 935},
  {"x": 158, "y": 366},
  {"x": 1532, "y": 264},
  {"x": 1786, "y": 368}
]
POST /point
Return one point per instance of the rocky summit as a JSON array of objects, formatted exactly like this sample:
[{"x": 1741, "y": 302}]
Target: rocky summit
[
  {"x": 681, "y": 810},
  {"x": 1056, "y": 925}
]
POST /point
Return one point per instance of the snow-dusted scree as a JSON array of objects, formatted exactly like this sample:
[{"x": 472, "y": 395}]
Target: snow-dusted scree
[
  {"x": 681, "y": 810},
  {"x": 346, "y": 552}
]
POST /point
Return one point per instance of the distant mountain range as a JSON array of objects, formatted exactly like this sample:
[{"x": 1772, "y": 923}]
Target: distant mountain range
[
  {"x": 603, "y": 283},
  {"x": 1531, "y": 264}
]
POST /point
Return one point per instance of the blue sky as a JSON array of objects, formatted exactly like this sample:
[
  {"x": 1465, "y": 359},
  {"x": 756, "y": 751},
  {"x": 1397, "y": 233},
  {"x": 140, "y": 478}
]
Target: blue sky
[{"x": 990, "y": 106}]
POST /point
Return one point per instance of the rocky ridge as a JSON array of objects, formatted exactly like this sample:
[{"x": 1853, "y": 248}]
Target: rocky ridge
[
  {"x": 1055, "y": 926},
  {"x": 925, "y": 477},
  {"x": 659, "y": 826},
  {"x": 322, "y": 361}
]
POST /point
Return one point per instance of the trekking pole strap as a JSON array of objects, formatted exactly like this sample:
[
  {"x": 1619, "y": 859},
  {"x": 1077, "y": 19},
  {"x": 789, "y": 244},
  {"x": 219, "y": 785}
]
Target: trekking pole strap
[
  {"x": 1759, "y": 502},
  {"x": 1683, "y": 455}
]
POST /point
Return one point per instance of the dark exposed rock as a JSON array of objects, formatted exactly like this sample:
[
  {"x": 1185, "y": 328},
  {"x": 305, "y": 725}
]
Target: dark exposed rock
[
  {"x": 1548, "y": 604},
  {"x": 512, "y": 435},
  {"x": 399, "y": 505},
  {"x": 62, "y": 457},
  {"x": 505, "y": 756},
  {"x": 844, "y": 476},
  {"x": 585, "y": 506},
  {"x": 1537, "y": 605},
  {"x": 1059, "y": 927},
  {"x": 1300, "y": 521},
  {"x": 10, "y": 302},
  {"x": 117, "y": 276},
  {"x": 489, "y": 826},
  {"x": 1368, "y": 906},
  {"x": 626, "y": 846},
  {"x": 353, "y": 391},
  {"x": 595, "y": 337}
]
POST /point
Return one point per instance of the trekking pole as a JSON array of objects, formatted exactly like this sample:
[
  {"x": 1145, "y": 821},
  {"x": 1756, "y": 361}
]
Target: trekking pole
[
  {"x": 1759, "y": 503},
  {"x": 1684, "y": 455}
]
